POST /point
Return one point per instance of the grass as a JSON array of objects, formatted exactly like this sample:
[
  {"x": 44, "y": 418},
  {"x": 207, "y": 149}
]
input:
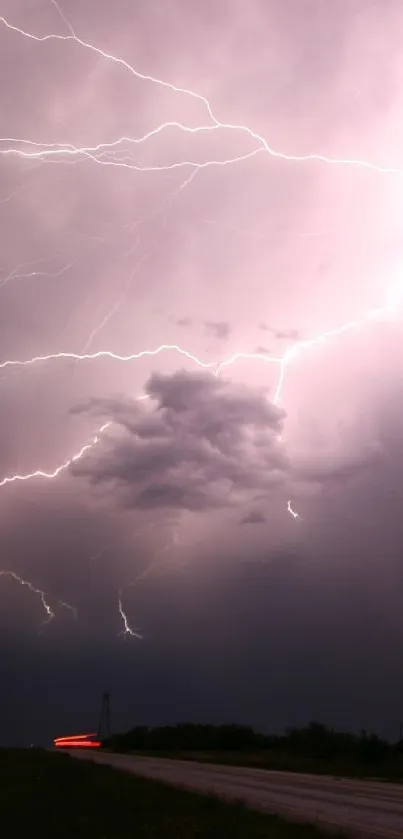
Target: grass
[
  {"x": 282, "y": 762},
  {"x": 53, "y": 796}
]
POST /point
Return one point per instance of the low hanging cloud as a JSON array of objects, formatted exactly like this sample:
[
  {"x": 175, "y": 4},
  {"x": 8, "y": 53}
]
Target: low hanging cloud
[
  {"x": 185, "y": 321},
  {"x": 199, "y": 442},
  {"x": 218, "y": 329},
  {"x": 282, "y": 334},
  {"x": 263, "y": 350},
  {"x": 254, "y": 517}
]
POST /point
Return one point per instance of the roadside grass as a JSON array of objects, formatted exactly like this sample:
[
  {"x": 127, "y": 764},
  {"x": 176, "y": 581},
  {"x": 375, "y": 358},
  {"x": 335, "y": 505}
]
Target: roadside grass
[
  {"x": 53, "y": 796},
  {"x": 282, "y": 762}
]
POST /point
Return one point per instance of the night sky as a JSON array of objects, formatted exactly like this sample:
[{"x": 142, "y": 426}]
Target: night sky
[{"x": 201, "y": 445}]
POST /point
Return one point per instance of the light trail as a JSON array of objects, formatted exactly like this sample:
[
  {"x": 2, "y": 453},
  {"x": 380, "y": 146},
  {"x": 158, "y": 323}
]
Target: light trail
[
  {"x": 41, "y": 594},
  {"x": 79, "y": 744},
  {"x": 74, "y": 737}
]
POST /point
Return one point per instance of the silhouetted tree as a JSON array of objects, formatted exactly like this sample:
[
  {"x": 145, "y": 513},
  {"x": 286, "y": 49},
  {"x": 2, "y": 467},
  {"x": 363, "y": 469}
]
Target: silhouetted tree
[{"x": 315, "y": 744}]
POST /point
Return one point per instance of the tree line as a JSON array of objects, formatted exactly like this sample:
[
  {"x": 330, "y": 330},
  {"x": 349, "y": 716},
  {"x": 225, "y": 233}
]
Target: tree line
[{"x": 315, "y": 741}]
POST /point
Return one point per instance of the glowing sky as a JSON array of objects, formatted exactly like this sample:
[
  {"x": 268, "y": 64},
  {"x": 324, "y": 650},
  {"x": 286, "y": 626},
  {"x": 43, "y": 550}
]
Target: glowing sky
[{"x": 200, "y": 204}]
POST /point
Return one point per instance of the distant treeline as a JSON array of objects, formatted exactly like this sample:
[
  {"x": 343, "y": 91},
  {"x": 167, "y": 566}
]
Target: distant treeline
[{"x": 316, "y": 741}]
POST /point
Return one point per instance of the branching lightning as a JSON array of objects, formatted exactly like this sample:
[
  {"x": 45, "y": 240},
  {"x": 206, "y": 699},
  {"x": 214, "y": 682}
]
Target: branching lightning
[
  {"x": 389, "y": 307},
  {"x": 119, "y": 153},
  {"x": 63, "y": 17},
  {"x": 15, "y": 275},
  {"x": 49, "y": 613},
  {"x": 112, "y": 311},
  {"x": 215, "y": 124}
]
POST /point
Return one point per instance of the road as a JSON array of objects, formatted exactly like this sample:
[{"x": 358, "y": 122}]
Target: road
[{"x": 361, "y": 808}]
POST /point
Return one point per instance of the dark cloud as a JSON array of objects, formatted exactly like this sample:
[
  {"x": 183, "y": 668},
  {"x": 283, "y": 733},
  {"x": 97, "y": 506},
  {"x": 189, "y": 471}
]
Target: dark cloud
[
  {"x": 282, "y": 334},
  {"x": 218, "y": 329},
  {"x": 199, "y": 442},
  {"x": 254, "y": 517},
  {"x": 183, "y": 321}
]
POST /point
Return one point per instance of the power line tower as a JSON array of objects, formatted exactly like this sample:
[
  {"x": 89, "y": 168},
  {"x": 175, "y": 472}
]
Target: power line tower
[{"x": 104, "y": 727}]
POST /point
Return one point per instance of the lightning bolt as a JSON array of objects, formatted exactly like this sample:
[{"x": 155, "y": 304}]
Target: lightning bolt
[
  {"x": 57, "y": 356},
  {"x": 392, "y": 302},
  {"x": 292, "y": 512},
  {"x": 39, "y": 473},
  {"x": 127, "y": 630},
  {"x": 155, "y": 564},
  {"x": 63, "y": 17},
  {"x": 95, "y": 153},
  {"x": 14, "y": 275},
  {"x": 41, "y": 594},
  {"x": 112, "y": 311},
  {"x": 18, "y": 268}
]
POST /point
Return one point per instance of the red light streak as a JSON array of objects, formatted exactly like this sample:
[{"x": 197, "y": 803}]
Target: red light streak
[
  {"x": 75, "y": 737},
  {"x": 77, "y": 741}
]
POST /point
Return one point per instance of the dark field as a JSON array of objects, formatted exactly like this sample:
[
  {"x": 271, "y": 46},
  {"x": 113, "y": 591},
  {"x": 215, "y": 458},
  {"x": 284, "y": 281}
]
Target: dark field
[{"x": 51, "y": 795}]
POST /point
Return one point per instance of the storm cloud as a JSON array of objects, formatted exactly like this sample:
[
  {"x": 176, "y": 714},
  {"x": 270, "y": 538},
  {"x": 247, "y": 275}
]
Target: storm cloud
[
  {"x": 254, "y": 517},
  {"x": 218, "y": 329},
  {"x": 199, "y": 442}
]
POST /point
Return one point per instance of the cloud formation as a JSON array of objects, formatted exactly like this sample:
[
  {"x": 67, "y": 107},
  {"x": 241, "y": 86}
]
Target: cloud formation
[
  {"x": 281, "y": 334},
  {"x": 185, "y": 321},
  {"x": 254, "y": 517},
  {"x": 218, "y": 329},
  {"x": 198, "y": 443}
]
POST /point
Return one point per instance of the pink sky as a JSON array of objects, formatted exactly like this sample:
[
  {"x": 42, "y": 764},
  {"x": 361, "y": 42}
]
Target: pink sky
[{"x": 250, "y": 256}]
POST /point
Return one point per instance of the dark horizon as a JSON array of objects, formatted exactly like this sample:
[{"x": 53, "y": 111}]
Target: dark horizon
[{"x": 188, "y": 669}]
